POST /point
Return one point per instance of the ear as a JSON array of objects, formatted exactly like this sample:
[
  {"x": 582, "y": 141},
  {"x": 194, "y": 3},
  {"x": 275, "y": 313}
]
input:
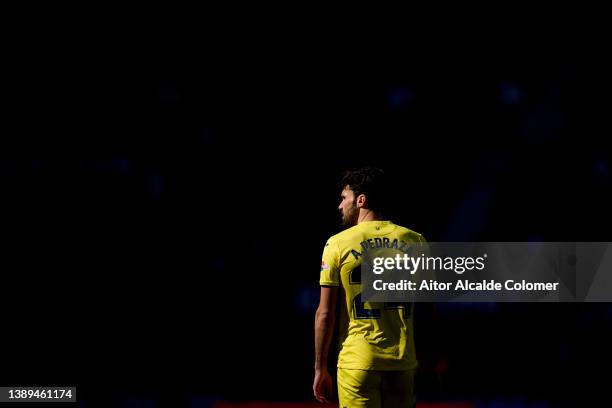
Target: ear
[{"x": 361, "y": 200}]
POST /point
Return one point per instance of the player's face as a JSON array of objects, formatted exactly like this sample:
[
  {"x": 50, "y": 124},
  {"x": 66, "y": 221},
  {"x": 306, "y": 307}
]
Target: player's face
[{"x": 348, "y": 208}]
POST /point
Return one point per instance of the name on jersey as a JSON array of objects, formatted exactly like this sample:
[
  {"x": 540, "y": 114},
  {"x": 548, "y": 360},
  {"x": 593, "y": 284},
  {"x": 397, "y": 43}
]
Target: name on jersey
[{"x": 376, "y": 243}]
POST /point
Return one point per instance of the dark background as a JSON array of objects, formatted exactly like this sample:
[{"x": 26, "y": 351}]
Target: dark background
[{"x": 167, "y": 191}]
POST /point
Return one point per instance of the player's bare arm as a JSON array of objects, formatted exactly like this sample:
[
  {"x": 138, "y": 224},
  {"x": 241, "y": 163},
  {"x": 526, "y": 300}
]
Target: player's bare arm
[{"x": 325, "y": 319}]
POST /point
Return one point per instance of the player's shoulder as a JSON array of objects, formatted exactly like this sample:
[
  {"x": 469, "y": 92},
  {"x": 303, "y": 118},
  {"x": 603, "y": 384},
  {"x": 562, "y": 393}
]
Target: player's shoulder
[
  {"x": 411, "y": 235},
  {"x": 350, "y": 234},
  {"x": 344, "y": 236}
]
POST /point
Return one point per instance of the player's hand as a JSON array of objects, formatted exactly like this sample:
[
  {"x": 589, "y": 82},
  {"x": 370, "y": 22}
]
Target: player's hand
[{"x": 322, "y": 387}]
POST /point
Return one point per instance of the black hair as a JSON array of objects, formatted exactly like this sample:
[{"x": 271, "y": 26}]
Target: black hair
[{"x": 373, "y": 183}]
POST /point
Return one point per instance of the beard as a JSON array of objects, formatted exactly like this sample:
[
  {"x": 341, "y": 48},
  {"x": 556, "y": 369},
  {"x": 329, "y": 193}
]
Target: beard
[{"x": 350, "y": 219}]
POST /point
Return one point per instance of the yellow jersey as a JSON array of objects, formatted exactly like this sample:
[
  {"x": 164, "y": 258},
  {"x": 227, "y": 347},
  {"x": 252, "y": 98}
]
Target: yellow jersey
[{"x": 373, "y": 336}]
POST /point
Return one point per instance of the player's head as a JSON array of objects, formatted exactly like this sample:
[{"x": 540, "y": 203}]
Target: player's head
[{"x": 362, "y": 190}]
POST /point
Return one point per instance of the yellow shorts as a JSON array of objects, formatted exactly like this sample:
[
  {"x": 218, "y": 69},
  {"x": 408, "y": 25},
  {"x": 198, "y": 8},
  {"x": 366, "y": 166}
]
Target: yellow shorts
[{"x": 376, "y": 389}]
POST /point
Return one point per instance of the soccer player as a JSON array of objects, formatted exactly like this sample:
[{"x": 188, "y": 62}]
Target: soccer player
[{"x": 376, "y": 361}]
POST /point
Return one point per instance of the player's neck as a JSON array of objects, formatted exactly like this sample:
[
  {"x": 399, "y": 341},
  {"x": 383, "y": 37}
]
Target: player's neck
[{"x": 368, "y": 215}]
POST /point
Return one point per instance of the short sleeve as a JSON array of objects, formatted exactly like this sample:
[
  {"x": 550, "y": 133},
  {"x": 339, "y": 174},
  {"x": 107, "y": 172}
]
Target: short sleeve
[{"x": 330, "y": 265}]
